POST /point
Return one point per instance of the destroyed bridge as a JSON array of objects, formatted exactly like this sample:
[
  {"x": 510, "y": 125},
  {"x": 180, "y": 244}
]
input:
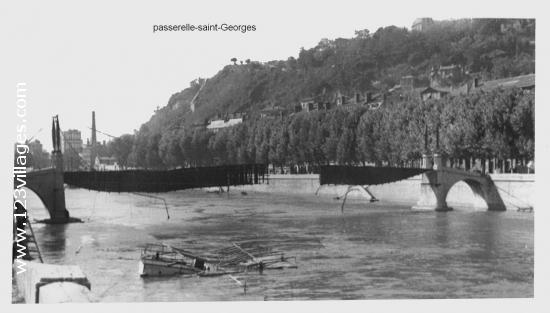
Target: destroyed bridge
[{"x": 437, "y": 180}]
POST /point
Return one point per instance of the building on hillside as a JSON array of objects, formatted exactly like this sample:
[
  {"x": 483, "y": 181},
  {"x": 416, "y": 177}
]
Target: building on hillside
[
  {"x": 358, "y": 98},
  {"x": 422, "y": 23},
  {"x": 316, "y": 103},
  {"x": 71, "y": 147},
  {"x": 272, "y": 112},
  {"x": 308, "y": 104},
  {"x": 217, "y": 124},
  {"x": 448, "y": 71},
  {"x": 325, "y": 102},
  {"x": 435, "y": 91},
  {"x": 432, "y": 93},
  {"x": 341, "y": 99}
]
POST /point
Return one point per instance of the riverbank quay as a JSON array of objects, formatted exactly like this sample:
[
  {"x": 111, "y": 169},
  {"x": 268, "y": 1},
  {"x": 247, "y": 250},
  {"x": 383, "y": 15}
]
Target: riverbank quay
[
  {"x": 51, "y": 283},
  {"x": 516, "y": 190}
]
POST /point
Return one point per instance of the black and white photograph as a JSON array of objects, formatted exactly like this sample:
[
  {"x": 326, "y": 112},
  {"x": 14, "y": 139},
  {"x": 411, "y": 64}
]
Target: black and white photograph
[{"x": 302, "y": 154}]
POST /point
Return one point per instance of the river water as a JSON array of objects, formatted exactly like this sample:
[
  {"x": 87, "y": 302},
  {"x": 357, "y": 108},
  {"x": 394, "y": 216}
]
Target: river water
[{"x": 370, "y": 251}]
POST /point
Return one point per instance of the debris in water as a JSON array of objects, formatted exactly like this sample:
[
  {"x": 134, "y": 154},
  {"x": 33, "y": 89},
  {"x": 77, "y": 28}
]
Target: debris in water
[{"x": 162, "y": 259}]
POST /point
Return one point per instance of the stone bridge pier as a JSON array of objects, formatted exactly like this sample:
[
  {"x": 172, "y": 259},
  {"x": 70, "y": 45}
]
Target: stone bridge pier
[
  {"x": 48, "y": 185},
  {"x": 435, "y": 186}
]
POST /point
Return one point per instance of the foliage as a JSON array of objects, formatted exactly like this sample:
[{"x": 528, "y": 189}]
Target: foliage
[{"x": 483, "y": 124}]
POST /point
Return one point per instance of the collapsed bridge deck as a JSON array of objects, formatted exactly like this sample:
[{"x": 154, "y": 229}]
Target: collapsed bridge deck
[{"x": 168, "y": 180}]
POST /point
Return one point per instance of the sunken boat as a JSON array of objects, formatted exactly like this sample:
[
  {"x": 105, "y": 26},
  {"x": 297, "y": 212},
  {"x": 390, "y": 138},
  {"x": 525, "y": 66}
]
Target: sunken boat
[{"x": 162, "y": 260}]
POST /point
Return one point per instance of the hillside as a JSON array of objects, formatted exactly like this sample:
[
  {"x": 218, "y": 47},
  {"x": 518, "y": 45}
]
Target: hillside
[
  {"x": 491, "y": 48},
  {"x": 373, "y": 62}
]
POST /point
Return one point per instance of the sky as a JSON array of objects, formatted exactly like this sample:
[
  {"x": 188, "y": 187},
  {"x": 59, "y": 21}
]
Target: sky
[{"x": 104, "y": 56}]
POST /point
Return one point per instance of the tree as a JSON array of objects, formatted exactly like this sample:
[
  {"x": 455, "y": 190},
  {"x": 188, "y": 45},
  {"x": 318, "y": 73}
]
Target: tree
[
  {"x": 234, "y": 60},
  {"x": 121, "y": 148},
  {"x": 169, "y": 149},
  {"x": 278, "y": 144},
  {"x": 152, "y": 157}
]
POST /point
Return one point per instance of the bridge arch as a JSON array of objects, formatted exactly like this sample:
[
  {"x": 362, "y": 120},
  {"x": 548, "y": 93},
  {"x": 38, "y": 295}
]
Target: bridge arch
[
  {"x": 476, "y": 198},
  {"x": 436, "y": 184},
  {"x": 32, "y": 193},
  {"x": 48, "y": 185}
]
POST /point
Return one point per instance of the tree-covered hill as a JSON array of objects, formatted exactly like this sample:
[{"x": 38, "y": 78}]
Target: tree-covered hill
[{"x": 490, "y": 48}]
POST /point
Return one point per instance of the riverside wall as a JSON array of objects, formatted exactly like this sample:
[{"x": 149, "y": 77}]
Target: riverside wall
[
  {"x": 516, "y": 190},
  {"x": 52, "y": 283}
]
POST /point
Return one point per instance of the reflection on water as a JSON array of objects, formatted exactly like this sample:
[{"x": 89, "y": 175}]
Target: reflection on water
[
  {"x": 370, "y": 251},
  {"x": 52, "y": 238}
]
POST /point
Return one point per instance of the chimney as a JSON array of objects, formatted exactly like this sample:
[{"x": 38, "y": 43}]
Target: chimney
[
  {"x": 93, "y": 143},
  {"x": 357, "y": 97},
  {"x": 94, "y": 139}
]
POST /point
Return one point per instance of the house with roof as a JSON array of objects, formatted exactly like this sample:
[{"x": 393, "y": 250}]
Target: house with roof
[
  {"x": 106, "y": 164},
  {"x": 224, "y": 121},
  {"x": 432, "y": 93},
  {"x": 422, "y": 23},
  {"x": 271, "y": 112},
  {"x": 216, "y": 125},
  {"x": 316, "y": 103}
]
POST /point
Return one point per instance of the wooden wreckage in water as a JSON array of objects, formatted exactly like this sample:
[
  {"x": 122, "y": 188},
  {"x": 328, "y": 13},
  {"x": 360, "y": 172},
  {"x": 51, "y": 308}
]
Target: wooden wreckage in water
[{"x": 165, "y": 260}]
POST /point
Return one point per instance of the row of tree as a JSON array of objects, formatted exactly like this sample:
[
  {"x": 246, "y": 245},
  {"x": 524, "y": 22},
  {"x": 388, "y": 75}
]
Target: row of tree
[{"x": 496, "y": 124}]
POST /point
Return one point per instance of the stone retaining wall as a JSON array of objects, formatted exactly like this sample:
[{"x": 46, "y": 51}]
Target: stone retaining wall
[{"x": 516, "y": 190}]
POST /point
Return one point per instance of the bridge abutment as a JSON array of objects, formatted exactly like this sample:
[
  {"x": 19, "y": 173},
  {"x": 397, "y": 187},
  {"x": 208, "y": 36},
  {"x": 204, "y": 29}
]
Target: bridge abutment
[{"x": 48, "y": 184}]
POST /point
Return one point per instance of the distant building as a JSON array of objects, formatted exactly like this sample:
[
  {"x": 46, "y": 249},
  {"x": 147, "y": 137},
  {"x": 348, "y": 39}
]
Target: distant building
[
  {"x": 341, "y": 99},
  {"x": 71, "y": 141},
  {"x": 106, "y": 164},
  {"x": 71, "y": 147},
  {"x": 316, "y": 103},
  {"x": 215, "y": 125},
  {"x": 421, "y": 24},
  {"x": 432, "y": 93},
  {"x": 449, "y": 71},
  {"x": 275, "y": 111},
  {"x": 39, "y": 157},
  {"x": 328, "y": 102},
  {"x": 308, "y": 104},
  {"x": 436, "y": 91}
]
